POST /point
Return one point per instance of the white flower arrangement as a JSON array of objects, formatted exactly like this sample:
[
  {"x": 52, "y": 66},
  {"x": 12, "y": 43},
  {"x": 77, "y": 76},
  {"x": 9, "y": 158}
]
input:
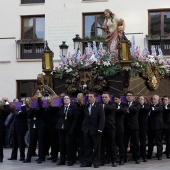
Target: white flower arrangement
[{"x": 108, "y": 64}]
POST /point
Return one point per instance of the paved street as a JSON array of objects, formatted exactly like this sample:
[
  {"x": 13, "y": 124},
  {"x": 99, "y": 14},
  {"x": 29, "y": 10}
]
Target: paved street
[{"x": 17, "y": 165}]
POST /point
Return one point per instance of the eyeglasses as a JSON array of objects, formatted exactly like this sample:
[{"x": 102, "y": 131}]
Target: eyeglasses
[{"x": 129, "y": 95}]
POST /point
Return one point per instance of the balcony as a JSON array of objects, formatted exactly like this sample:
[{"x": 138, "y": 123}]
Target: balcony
[
  {"x": 32, "y": 1},
  {"x": 29, "y": 49},
  {"x": 163, "y": 43}
]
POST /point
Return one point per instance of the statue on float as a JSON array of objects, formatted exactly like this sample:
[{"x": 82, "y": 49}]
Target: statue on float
[{"x": 114, "y": 27}]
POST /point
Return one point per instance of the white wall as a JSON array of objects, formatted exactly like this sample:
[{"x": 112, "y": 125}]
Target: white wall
[{"x": 63, "y": 19}]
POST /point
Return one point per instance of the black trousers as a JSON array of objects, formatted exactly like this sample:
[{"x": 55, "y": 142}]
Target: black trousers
[
  {"x": 65, "y": 146},
  {"x": 142, "y": 138},
  {"x": 155, "y": 135},
  {"x": 1, "y": 145},
  {"x": 18, "y": 142},
  {"x": 92, "y": 149},
  {"x": 134, "y": 136},
  {"x": 108, "y": 145},
  {"x": 53, "y": 141},
  {"x": 120, "y": 144},
  {"x": 78, "y": 145},
  {"x": 167, "y": 135},
  {"x": 37, "y": 134}
]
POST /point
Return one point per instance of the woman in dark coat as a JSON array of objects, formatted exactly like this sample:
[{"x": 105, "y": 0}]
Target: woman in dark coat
[{"x": 4, "y": 111}]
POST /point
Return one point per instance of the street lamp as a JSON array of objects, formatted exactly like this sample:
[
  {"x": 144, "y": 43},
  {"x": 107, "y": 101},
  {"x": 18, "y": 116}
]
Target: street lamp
[
  {"x": 124, "y": 58},
  {"x": 77, "y": 41},
  {"x": 124, "y": 50},
  {"x": 63, "y": 48},
  {"x": 47, "y": 59},
  {"x": 47, "y": 64}
]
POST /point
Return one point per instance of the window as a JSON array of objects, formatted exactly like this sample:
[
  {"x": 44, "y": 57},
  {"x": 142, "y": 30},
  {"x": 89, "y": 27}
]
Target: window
[
  {"x": 25, "y": 88},
  {"x": 33, "y": 27},
  {"x": 32, "y": 1},
  {"x": 32, "y": 37},
  {"x": 91, "y": 22},
  {"x": 159, "y": 30}
]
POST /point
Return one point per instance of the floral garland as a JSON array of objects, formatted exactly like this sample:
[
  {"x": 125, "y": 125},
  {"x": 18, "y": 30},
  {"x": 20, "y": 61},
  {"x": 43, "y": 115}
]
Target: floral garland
[
  {"x": 108, "y": 64},
  {"x": 140, "y": 61}
]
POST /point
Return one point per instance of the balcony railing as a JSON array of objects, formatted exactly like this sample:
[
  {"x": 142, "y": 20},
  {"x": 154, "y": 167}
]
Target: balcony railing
[
  {"x": 164, "y": 44},
  {"x": 32, "y": 1},
  {"x": 31, "y": 50}
]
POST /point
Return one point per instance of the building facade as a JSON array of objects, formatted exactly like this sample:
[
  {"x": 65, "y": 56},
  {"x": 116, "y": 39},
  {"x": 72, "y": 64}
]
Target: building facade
[{"x": 27, "y": 24}]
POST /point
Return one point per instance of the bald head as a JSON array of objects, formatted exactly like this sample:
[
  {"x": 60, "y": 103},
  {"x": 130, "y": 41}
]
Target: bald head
[{"x": 155, "y": 99}]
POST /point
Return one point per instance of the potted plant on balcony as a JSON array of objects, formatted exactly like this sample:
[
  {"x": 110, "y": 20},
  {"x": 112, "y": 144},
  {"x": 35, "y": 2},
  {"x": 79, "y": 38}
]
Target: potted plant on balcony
[
  {"x": 30, "y": 41},
  {"x": 157, "y": 36}
]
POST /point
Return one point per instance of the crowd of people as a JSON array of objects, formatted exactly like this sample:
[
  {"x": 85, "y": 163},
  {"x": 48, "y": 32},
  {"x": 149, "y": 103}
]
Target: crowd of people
[{"x": 95, "y": 133}]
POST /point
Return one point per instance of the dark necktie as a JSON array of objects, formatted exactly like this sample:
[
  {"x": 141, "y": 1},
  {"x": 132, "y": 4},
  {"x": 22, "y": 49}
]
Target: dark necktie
[
  {"x": 90, "y": 109},
  {"x": 65, "y": 112}
]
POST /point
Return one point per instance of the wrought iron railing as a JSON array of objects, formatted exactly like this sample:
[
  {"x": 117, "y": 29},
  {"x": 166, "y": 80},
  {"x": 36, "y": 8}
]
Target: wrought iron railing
[
  {"x": 32, "y": 1},
  {"x": 164, "y": 44},
  {"x": 30, "y": 50}
]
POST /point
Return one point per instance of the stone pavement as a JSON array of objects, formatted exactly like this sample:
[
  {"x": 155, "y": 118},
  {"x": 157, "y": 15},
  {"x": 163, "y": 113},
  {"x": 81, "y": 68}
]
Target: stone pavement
[{"x": 153, "y": 164}]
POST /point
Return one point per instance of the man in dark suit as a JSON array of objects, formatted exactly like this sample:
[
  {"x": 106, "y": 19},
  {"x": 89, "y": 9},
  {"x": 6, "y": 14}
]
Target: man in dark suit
[
  {"x": 78, "y": 138},
  {"x": 19, "y": 130},
  {"x": 143, "y": 122},
  {"x": 52, "y": 139},
  {"x": 92, "y": 127},
  {"x": 155, "y": 125},
  {"x": 37, "y": 132},
  {"x": 66, "y": 126},
  {"x": 121, "y": 109},
  {"x": 108, "y": 135},
  {"x": 166, "y": 123},
  {"x": 132, "y": 127}
]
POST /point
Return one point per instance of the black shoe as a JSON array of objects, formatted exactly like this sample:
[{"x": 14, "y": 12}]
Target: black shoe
[
  {"x": 160, "y": 158},
  {"x": 121, "y": 163},
  {"x": 21, "y": 159},
  {"x": 7, "y": 146},
  {"x": 149, "y": 157},
  {"x": 107, "y": 162},
  {"x": 12, "y": 158},
  {"x": 144, "y": 160},
  {"x": 50, "y": 158},
  {"x": 39, "y": 161},
  {"x": 101, "y": 164},
  {"x": 114, "y": 164},
  {"x": 96, "y": 166},
  {"x": 27, "y": 161},
  {"x": 85, "y": 165},
  {"x": 61, "y": 163},
  {"x": 137, "y": 162},
  {"x": 54, "y": 160},
  {"x": 125, "y": 160},
  {"x": 168, "y": 157},
  {"x": 70, "y": 164},
  {"x": 131, "y": 159},
  {"x": 1, "y": 160}
]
